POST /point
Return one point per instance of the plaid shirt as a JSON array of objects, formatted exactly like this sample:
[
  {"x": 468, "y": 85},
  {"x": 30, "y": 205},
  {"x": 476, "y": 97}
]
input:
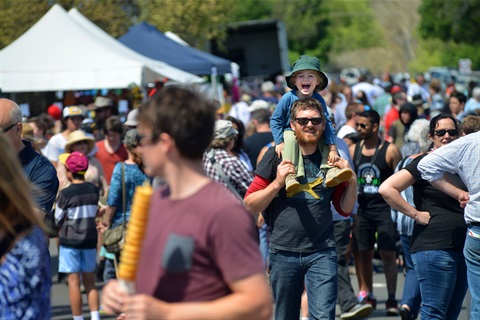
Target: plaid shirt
[{"x": 233, "y": 168}]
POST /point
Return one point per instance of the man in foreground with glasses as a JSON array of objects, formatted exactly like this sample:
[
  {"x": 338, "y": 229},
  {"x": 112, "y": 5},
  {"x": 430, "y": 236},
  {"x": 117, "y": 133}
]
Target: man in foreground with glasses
[
  {"x": 200, "y": 257},
  {"x": 36, "y": 167},
  {"x": 302, "y": 243},
  {"x": 461, "y": 157},
  {"x": 374, "y": 160}
]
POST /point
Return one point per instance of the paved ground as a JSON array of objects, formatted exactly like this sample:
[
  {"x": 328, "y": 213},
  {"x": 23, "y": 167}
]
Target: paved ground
[{"x": 61, "y": 305}]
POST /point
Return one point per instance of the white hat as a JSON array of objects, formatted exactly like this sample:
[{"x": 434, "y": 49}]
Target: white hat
[
  {"x": 132, "y": 118},
  {"x": 223, "y": 129},
  {"x": 102, "y": 102},
  {"x": 258, "y": 104}
]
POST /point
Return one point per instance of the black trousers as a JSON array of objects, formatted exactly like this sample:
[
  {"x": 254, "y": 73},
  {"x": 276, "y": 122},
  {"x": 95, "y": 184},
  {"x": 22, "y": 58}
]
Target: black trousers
[{"x": 346, "y": 297}]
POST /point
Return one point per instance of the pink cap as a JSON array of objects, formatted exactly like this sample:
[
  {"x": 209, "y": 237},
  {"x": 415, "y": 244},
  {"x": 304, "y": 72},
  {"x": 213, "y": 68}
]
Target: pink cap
[{"x": 75, "y": 162}]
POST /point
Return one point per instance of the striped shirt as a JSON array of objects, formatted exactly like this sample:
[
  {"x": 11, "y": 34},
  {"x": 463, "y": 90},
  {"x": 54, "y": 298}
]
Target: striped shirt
[
  {"x": 462, "y": 157},
  {"x": 77, "y": 207},
  {"x": 404, "y": 222}
]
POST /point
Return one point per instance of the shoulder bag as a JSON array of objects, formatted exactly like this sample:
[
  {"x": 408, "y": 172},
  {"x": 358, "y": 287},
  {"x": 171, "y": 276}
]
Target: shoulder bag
[{"x": 114, "y": 238}]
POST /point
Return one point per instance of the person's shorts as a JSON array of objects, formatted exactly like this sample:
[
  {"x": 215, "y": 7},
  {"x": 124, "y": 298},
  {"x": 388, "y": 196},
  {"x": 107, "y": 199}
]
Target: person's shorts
[
  {"x": 375, "y": 228},
  {"x": 71, "y": 260}
]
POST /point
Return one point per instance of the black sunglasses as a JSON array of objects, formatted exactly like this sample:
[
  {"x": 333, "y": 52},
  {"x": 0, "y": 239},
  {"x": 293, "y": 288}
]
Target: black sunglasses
[
  {"x": 304, "y": 121},
  {"x": 442, "y": 132},
  {"x": 361, "y": 125},
  {"x": 9, "y": 127}
]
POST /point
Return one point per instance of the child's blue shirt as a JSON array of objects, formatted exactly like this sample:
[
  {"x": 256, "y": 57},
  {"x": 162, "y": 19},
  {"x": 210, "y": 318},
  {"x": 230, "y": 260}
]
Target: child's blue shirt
[{"x": 280, "y": 120}]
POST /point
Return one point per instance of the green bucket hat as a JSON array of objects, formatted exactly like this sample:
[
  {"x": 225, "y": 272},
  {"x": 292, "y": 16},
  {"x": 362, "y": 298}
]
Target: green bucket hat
[{"x": 308, "y": 63}]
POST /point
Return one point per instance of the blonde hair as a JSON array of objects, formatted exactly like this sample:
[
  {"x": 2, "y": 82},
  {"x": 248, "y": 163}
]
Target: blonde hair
[{"x": 16, "y": 205}]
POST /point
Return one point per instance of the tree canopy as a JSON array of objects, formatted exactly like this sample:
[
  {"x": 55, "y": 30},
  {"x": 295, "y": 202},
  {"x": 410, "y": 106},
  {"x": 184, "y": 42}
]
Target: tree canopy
[
  {"x": 458, "y": 21},
  {"x": 381, "y": 35}
]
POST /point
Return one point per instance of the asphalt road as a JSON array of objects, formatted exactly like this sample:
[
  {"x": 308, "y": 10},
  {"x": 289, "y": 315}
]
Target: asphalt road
[{"x": 61, "y": 304}]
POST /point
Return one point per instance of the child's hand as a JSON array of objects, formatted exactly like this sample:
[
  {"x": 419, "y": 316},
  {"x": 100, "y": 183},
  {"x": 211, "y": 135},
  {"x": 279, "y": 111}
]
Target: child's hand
[
  {"x": 279, "y": 149},
  {"x": 332, "y": 157}
]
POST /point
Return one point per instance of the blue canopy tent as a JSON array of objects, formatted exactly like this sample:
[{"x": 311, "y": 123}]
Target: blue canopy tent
[{"x": 149, "y": 41}]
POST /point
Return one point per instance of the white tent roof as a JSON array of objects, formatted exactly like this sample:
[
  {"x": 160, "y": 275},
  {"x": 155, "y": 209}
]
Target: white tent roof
[
  {"x": 57, "y": 53},
  {"x": 158, "y": 66}
]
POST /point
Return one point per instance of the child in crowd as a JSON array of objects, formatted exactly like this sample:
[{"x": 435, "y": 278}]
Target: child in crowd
[
  {"x": 77, "y": 207},
  {"x": 306, "y": 80}
]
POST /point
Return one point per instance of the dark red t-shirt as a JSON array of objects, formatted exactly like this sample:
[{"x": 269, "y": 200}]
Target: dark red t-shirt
[
  {"x": 195, "y": 247},
  {"x": 109, "y": 160}
]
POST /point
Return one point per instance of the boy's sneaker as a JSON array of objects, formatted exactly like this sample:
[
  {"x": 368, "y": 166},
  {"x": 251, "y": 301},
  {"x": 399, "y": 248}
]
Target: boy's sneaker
[
  {"x": 392, "y": 307},
  {"x": 335, "y": 176},
  {"x": 291, "y": 182},
  {"x": 358, "y": 311}
]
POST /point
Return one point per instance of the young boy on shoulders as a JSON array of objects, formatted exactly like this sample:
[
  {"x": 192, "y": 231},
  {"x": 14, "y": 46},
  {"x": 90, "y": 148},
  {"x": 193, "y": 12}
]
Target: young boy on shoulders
[
  {"x": 77, "y": 207},
  {"x": 306, "y": 80}
]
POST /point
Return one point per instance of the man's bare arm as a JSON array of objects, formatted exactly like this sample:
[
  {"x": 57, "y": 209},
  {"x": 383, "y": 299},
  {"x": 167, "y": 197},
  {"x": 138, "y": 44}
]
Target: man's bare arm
[{"x": 259, "y": 200}]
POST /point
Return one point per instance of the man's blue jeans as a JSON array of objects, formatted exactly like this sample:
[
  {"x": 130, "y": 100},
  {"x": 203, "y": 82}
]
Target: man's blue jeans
[
  {"x": 411, "y": 289},
  {"x": 291, "y": 272},
  {"x": 442, "y": 275},
  {"x": 471, "y": 252}
]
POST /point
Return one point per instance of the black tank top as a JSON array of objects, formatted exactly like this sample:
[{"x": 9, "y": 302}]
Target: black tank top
[{"x": 370, "y": 176}]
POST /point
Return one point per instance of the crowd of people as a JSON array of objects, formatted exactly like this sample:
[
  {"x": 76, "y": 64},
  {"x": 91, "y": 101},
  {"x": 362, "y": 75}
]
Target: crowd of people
[{"x": 259, "y": 203}]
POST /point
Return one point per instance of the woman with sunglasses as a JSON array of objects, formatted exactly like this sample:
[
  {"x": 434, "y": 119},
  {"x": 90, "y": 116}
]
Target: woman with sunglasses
[{"x": 439, "y": 231}]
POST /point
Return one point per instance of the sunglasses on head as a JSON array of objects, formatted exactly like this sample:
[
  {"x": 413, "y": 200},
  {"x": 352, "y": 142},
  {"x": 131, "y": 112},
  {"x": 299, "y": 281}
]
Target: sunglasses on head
[
  {"x": 361, "y": 125},
  {"x": 9, "y": 127},
  {"x": 304, "y": 121},
  {"x": 442, "y": 132}
]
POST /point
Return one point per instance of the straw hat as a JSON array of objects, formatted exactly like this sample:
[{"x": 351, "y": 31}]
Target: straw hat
[{"x": 77, "y": 136}]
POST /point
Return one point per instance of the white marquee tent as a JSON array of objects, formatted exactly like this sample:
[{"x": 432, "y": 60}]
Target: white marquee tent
[{"x": 59, "y": 53}]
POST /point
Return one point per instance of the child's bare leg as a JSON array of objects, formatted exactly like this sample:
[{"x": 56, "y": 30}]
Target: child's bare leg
[
  {"x": 91, "y": 290},
  {"x": 75, "y": 294}
]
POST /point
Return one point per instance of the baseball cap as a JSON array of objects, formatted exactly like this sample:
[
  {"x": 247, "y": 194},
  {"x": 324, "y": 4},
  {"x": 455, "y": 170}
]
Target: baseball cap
[
  {"x": 223, "y": 129},
  {"x": 75, "y": 162},
  {"x": 72, "y": 111}
]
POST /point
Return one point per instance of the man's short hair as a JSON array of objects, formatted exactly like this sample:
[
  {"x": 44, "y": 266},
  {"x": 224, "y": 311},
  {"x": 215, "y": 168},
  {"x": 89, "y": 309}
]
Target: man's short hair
[
  {"x": 114, "y": 124},
  {"x": 371, "y": 115},
  {"x": 261, "y": 115},
  {"x": 306, "y": 104},
  {"x": 471, "y": 124},
  {"x": 352, "y": 109},
  {"x": 460, "y": 97},
  {"x": 184, "y": 114}
]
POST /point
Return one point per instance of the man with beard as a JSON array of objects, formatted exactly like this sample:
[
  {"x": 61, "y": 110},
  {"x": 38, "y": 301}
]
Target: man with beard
[
  {"x": 374, "y": 161},
  {"x": 302, "y": 243}
]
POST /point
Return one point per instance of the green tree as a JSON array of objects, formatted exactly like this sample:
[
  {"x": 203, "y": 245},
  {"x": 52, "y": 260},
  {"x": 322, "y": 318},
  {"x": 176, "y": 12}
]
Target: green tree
[
  {"x": 194, "y": 21},
  {"x": 252, "y": 10},
  {"x": 451, "y": 20},
  {"x": 113, "y": 16},
  {"x": 307, "y": 26},
  {"x": 17, "y": 16}
]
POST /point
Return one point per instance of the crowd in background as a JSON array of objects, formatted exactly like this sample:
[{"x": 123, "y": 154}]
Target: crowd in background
[{"x": 241, "y": 136}]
